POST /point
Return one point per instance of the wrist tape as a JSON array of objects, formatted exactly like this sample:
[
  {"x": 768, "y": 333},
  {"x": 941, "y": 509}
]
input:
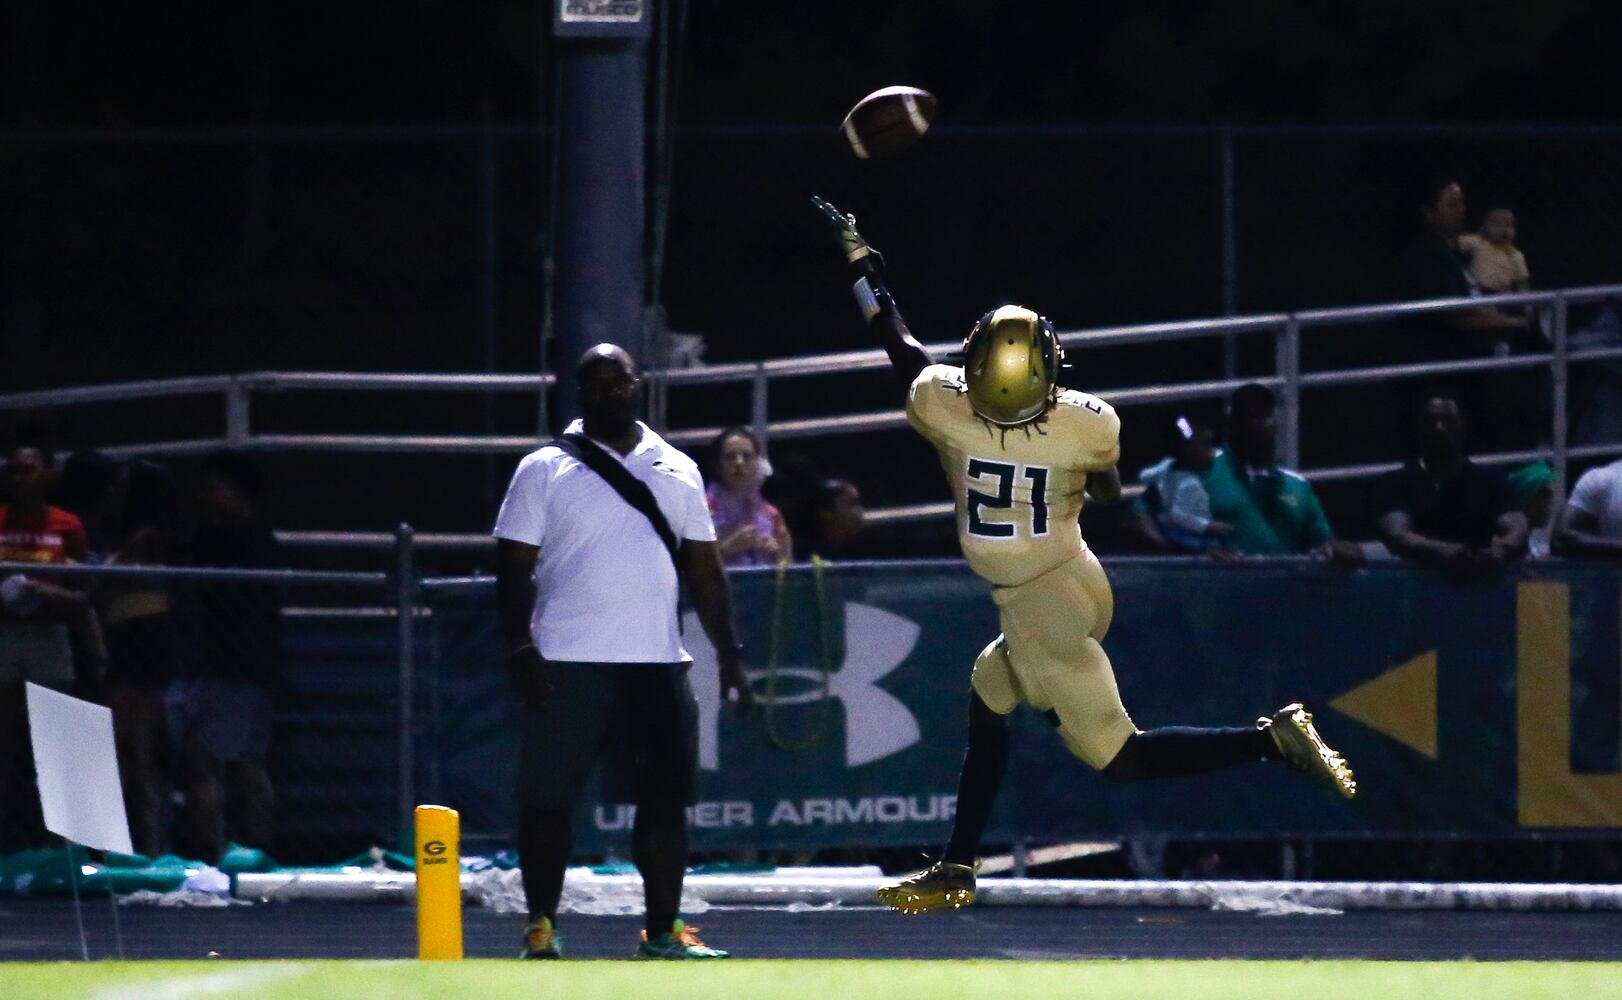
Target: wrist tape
[{"x": 867, "y": 298}]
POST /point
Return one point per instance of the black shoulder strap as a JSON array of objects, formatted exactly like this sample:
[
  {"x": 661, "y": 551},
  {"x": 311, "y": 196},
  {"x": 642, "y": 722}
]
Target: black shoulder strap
[{"x": 631, "y": 489}]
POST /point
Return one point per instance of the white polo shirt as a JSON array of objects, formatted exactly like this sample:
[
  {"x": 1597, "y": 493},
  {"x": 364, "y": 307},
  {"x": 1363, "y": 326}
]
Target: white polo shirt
[{"x": 605, "y": 586}]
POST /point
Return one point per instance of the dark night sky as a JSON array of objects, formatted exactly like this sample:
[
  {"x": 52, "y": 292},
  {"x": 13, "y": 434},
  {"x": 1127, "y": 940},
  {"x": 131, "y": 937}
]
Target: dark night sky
[{"x": 85, "y": 63}]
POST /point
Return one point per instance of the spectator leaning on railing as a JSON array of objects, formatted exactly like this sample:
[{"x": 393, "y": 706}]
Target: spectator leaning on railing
[
  {"x": 1175, "y": 487},
  {"x": 1531, "y": 489},
  {"x": 1443, "y": 510},
  {"x": 1590, "y": 526},
  {"x": 1273, "y": 510}
]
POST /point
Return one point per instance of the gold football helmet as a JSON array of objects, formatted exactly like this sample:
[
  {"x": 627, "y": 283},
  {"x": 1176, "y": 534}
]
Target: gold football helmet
[{"x": 1011, "y": 363}]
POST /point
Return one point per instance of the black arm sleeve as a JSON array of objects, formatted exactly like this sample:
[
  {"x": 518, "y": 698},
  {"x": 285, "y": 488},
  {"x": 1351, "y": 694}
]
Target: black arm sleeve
[{"x": 883, "y": 316}]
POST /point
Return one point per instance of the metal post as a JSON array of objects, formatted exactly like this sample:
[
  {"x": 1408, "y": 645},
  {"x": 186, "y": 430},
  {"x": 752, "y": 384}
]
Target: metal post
[
  {"x": 758, "y": 385},
  {"x": 1560, "y": 376},
  {"x": 598, "y": 291},
  {"x": 1286, "y": 861},
  {"x": 1287, "y": 365},
  {"x": 405, "y": 593},
  {"x": 658, "y": 398},
  {"x": 487, "y": 298},
  {"x": 656, "y": 368},
  {"x": 1022, "y": 858},
  {"x": 237, "y": 428},
  {"x": 543, "y": 419},
  {"x": 1230, "y": 251}
]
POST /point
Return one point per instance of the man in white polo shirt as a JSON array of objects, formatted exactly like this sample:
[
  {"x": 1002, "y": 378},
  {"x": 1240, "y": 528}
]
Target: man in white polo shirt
[
  {"x": 1590, "y": 527},
  {"x": 587, "y": 589}
]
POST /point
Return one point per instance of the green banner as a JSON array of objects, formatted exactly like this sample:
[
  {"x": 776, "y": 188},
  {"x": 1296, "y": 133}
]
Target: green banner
[{"x": 1479, "y": 709}]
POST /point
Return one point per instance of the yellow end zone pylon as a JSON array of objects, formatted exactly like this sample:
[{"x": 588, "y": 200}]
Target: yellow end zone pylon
[{"x": 439, "y": 883}]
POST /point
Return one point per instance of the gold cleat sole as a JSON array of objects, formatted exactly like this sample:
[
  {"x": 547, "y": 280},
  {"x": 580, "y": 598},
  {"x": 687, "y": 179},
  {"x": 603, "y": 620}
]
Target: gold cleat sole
[
  {"x": 941, "y": 886},
  {"x": 1298, "y": 741},
  {"x": 913, "y": 903}
]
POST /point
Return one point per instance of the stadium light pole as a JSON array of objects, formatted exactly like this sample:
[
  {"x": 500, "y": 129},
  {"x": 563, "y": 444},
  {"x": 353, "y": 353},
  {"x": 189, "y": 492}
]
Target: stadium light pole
[{"x": 602, "y": 57}]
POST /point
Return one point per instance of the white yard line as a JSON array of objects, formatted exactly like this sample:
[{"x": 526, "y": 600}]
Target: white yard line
[{"x": 190, "y": 987}]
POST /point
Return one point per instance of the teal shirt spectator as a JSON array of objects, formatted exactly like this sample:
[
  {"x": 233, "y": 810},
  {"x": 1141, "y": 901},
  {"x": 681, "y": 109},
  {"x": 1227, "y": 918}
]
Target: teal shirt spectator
[{"x": 1273, "y": 513}]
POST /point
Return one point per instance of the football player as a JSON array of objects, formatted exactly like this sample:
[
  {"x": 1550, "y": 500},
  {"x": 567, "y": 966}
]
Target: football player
[{"x": 1020, "y": 455}]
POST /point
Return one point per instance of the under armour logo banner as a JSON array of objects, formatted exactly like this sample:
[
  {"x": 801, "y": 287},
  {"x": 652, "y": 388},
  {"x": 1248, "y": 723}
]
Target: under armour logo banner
[{"x": 877, "y": 724}]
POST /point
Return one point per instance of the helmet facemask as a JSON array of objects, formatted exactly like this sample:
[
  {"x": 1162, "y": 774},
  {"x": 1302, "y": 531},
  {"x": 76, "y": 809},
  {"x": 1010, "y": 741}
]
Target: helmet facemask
[{"x": 1011, "y": 365}]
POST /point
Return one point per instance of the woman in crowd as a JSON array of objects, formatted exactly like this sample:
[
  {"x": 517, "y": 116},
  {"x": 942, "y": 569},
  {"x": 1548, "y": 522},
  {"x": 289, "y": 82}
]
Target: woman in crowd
[{"x": 750, "y": 531}]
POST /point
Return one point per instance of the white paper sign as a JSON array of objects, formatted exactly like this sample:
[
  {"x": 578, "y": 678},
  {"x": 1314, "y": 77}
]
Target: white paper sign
[{"x": 77, "y": 761}]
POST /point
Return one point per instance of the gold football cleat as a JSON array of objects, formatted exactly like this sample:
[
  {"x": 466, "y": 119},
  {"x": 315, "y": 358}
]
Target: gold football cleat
[
  {"x": 940, "y": 885},
  {"x": 1303, "y": 749}
]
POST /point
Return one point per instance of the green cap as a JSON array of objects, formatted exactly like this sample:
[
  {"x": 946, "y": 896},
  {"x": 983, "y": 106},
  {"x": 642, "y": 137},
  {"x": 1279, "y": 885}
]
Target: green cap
[{"x": 1529, "y": 480}]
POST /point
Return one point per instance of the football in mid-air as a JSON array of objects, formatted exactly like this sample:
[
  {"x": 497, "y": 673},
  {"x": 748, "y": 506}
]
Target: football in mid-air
[{"x": 887, "y": 121}]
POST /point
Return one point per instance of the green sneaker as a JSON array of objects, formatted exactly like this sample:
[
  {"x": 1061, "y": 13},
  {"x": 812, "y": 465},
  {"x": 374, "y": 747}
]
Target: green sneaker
[
  {"x": 541, "y": 940},
  {"x": 679, "y": 942}
]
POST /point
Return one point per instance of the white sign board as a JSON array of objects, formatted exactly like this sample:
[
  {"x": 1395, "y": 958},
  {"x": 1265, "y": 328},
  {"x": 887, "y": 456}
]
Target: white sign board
[{"x": 77, "y": 761}]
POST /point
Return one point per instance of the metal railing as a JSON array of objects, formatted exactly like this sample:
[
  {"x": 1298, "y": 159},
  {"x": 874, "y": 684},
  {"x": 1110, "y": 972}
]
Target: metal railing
[{"x": 1287, "y": 379}]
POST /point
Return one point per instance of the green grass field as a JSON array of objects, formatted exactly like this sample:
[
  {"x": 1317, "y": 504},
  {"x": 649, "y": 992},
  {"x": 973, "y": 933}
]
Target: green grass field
[{"x": 811, "y": 980}]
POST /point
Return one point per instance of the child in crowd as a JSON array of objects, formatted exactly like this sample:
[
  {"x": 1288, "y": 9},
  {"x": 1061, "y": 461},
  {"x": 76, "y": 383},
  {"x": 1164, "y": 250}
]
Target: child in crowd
[
  {"x": 1495, "y": 261},
  {"x": 1182, "y": 507},
  {"x": 1531, "y": 488}
]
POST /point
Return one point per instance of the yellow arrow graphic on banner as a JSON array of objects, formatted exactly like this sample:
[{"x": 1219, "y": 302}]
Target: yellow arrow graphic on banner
[{"x": 1400, "y": 703}]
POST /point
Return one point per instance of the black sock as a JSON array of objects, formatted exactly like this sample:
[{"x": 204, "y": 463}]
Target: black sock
[
  {"x": 983, "y": 767},
  {"x": 1175, "y": 751}
]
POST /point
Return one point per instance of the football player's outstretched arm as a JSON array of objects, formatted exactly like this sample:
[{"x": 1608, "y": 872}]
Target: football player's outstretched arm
[{"x": 907, "y": 356}]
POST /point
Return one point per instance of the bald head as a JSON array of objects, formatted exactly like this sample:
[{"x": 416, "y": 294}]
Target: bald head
[{"x": 613, "y": 356}]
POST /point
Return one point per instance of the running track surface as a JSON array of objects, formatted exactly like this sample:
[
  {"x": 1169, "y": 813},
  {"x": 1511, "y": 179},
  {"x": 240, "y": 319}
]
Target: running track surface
[{"x": 45, "y": 930}]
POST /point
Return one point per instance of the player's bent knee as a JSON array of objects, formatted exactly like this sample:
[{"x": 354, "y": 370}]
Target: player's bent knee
[
  {"x": 1128, "y": 763},
  {"x": 1099, "y": 755}
]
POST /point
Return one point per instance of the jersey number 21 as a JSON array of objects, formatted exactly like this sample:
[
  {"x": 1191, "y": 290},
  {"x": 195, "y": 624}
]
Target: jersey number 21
[{"x": 1004, "y": 474}]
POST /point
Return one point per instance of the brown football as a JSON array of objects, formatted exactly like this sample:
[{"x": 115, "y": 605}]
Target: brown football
[{"x": 887, "y": 121}]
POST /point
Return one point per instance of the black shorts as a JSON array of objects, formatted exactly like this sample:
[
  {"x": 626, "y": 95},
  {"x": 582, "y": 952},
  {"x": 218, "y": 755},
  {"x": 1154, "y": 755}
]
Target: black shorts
[{"x": 639, "y": 720}]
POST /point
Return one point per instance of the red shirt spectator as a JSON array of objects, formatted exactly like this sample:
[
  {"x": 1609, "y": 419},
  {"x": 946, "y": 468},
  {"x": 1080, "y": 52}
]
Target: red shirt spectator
[
  {"x": 37, "y": 616},
  {"x": 45, "y": 535}
]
